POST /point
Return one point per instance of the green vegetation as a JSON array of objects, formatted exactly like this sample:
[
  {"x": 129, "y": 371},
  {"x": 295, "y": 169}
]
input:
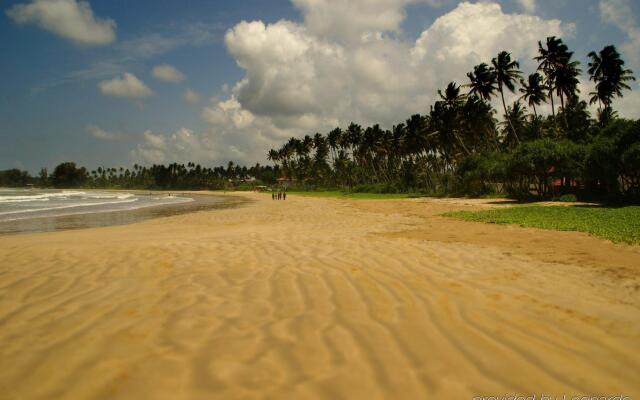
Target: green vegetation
[
  {"x": 616, "y": 224},
  {"x": 354, "y": 195},
  {"x": 566, "y": 198}
]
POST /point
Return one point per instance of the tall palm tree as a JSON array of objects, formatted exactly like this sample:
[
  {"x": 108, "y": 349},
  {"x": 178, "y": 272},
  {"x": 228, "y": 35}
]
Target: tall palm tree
[
  {"x": 607, "y": 70},
  {"x": 483, "y": 81},
  {"x": 353, "y": 136},
  {"x": 533, "y": 92},
  {"x": 566, "y": 77},
  {"x": 333, "y": 139},
  {"x": 507, "y": 72},
  {"x": 549, "y": 58},
  {"x": 446, "y": 119}
]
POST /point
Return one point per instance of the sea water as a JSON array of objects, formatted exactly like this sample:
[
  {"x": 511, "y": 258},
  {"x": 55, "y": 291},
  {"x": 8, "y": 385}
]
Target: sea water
[
  {"x": 25, "y": 210},
  {"x": 16, "y": 204}
]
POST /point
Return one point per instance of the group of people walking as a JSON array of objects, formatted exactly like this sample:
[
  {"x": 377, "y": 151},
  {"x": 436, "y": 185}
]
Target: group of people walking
[{"x": 279, "y": 196}]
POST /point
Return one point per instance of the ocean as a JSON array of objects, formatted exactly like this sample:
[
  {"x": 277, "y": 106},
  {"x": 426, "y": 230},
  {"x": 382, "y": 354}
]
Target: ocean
[{"x": 33, "y": 210}]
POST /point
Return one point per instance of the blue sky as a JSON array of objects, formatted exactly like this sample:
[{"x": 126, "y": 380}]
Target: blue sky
[{"x": 292, "y": 68}]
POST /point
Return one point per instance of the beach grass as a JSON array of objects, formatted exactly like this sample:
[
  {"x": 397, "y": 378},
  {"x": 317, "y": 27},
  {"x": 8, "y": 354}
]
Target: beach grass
[{"x": 618, "y": 224}]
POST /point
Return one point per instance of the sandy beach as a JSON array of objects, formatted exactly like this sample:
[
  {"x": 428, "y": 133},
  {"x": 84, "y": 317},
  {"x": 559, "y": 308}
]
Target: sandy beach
[{"x": 314, "y": 298}]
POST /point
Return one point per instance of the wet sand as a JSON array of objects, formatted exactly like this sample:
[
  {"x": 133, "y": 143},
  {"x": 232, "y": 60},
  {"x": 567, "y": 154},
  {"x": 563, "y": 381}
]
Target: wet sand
[{"x": 317, "y": 298}]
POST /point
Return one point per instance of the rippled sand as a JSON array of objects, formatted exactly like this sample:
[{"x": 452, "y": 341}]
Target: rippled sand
[{"x": 317, "y": 298}]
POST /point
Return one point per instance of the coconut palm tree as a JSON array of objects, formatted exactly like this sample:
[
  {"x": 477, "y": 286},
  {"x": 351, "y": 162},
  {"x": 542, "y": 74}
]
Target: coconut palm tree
[
  {"x": 517, "y": 115},
  {"x": 566, "y": 78},
  {"x": 483, "y": 81},
  {"x": 533, "y": 91},
  {"x": 333, "y": 139},
  {"x": 273, "y": 155},
  {"x": 507, "y": 72},
  {"x": 549, "y": 58},
  {"x": 607, "y": 70},
  {"x": 451, "y": 95},
  {"x": 446, "y": 118}
]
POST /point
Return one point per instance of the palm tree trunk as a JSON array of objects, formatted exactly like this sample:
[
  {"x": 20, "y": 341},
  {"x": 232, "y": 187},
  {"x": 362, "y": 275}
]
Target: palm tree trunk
[
  {"x": 564, "y": 114},
  {"x": 553, "y": 109},
  {"x": 535, "y": 112},
  {"x": 506, "y": 115}
]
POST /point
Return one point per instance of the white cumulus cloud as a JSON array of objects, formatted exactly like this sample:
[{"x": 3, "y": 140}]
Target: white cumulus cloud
[
  {"x": 347, "y": 20},
  {"x": 302, "y": 78},
  {"x": 128, "y": 85},
  {"x": 180, "y": 146},
  {"x": 294, "y": 75},
  {"x": 70, "y": 19},
  {"x": 167, "y": 73}
]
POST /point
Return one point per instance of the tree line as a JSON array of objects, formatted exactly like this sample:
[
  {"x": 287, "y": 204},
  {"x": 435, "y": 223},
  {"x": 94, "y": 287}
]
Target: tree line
[
  {"x": 460, "y": 147},
  {"x": 173, "y": 176}
]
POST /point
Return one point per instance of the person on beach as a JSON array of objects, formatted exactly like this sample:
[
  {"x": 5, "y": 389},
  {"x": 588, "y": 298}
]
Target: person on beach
[{"x": 273, "y": 196}]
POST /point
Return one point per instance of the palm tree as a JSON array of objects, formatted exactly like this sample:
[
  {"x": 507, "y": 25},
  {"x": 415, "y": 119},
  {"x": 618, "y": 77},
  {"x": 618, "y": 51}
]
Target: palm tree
[
  {"x": 333, "y": 139},
  {"x": 549, "y": 59},
  {"x": 532, "y": 91},
  {"x": 273, "y": 155},
  {"x": 606, "y": 69},
  {"x": 446, "y": 119},
  {"x": 451, "y": 95},
  {"x": 566, "y": 77},
  {"x": 483, "y": 81},
  {"x": 507, "y": 72},
  {"x": 478, "y": 124},
  {"x": 517, "y": 115}
]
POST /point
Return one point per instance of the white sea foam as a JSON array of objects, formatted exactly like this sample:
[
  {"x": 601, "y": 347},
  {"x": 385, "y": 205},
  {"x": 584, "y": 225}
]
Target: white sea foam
[
  {"x": 29, "y": 204},
  {"x": 39, "y": 197},
  {"x": 66, "y": 206}
]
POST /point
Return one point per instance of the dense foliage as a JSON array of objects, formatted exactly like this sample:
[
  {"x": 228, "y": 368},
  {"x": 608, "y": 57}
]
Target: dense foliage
[
  {"x": 172, "y": 176},
  {"x": 459, "y": 147}
]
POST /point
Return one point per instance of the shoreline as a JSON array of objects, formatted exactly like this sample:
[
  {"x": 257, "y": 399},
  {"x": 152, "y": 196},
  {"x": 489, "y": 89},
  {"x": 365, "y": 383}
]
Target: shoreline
[
  {"x": 100, "y": 218},
  {"x": 315, "y": 298}
]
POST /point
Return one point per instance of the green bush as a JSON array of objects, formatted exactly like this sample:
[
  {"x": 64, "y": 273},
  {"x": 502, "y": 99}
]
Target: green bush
[
  {"x": 566, "y": 198},
  {"x": 481, "y": 174},
  {"x": 376, "y": 188}
]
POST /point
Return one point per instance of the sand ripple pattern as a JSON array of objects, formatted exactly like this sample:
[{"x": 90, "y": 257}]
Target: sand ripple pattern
[{"x": 300, "y": 299}]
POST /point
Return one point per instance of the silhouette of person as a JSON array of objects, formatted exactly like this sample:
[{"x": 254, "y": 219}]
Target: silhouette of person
[{"x": 284, "y": 196}]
